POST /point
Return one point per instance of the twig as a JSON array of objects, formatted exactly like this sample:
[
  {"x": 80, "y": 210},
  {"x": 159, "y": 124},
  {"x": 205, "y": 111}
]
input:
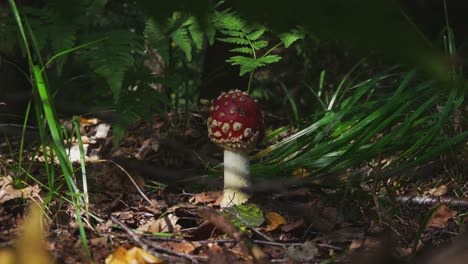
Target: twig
[
  {"x": 131, "y": 179},
  {"x": 144, "y": 245},
  {"x": 135, "y": 237},
  {"x": 222, "y": 241}
]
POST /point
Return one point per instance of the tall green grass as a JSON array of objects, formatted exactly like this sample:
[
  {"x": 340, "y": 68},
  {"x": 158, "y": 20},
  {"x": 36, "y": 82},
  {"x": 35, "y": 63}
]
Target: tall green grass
[
  {"x": 47, "y": 122},
  {"x": 395, "y": 114}
]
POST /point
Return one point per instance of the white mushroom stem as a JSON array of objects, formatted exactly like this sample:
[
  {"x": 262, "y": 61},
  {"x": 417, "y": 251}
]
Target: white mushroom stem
[{"x": 236, "y": 178}]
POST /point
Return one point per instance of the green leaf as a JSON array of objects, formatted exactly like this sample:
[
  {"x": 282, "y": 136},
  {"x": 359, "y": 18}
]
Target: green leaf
[
  {"x": 239, "y": 41},
  {"x": 290, "y": 37},
  {"x": 232, "y": 33},
  {"x": 248, "y": 64},
  {"x": 244, "y": 50},
  {"x": 230, "y": 21},
  {"x": 197, "y": 34},
  {"x": 259, "y": 44},
  {"x": 256, "y": 34},
  {"x": 110, "y": 59},
  {"x": 246, "y": 214},
  {"x": 182, "y": 40}
]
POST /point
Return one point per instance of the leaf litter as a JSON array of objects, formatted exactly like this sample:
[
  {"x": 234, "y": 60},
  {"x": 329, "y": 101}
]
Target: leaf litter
[{"x": 173, "y": 226}]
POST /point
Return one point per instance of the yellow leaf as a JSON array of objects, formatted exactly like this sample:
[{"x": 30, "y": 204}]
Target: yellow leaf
[
  {"x": 274, "y": 220},
  {"x": 134, "y": 255}
]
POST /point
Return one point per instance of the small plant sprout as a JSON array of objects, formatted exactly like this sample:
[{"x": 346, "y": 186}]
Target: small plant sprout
[{"x": 236, "y": 124}]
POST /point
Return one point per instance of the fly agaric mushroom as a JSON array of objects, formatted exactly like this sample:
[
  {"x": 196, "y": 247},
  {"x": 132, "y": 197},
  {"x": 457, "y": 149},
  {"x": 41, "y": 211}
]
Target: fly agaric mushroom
[{"x": 235, "y": 124}]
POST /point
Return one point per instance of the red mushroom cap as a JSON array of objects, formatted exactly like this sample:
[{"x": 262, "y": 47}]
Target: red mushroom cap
[{"x": 235, "y": 122}]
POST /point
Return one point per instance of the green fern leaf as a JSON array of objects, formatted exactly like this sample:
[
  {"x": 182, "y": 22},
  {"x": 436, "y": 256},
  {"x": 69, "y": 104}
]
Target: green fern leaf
[
  {"x": 156, "y": 38},
  {"x": 111, "y": 59},
  {"x": 197, "y": 34},
  {"x": 269, "y": 59},
  {"x": 210, "y": 32},
  {"x": 180, "y": 37},
  {"x": 291, "y": 37},
  {"x": 248, "y": 64},
  {"x": 153, "y": 33},
  {"x": 239, "y": 41},
  {"x": 233, "y": 33},
  {"x": 62, "y": 38},
  {"x": 244, "y": 50},
  {"x": 229, "y": 21},
  {"x": 259, "y": 44},
  {"x": 256, "y": 34}
]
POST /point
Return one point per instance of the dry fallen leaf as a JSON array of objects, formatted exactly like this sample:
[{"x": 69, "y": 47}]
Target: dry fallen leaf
[
  {"x": 274, "y": 220},
  {"x": 165, "y": 224},
  {"x": 440, "y": 217},
  {"x": 439, "y": 191},
  {"x": 207, "y": 198},
  {"x": 134, "y": 255},
  {"x": 183, "y": 247},
  {"x": 8, "y": 191}
]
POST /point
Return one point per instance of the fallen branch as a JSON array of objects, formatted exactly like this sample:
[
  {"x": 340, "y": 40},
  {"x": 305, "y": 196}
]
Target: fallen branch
[{"x": 422, "y": 200}]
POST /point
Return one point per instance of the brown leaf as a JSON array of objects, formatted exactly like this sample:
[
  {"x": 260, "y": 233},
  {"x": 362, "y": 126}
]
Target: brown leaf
[
  {"x": 134, "y": 255},
  {"x": 440, "y": 217},
  {"x": 439, "y": 191},
  {"x": 274, "y": 220},
  {"x": 165, "y": 224},
  {"x": 184, "y": 247},
  {"x": 207, "y": 198},
  {"x": 8, "y": 191}
]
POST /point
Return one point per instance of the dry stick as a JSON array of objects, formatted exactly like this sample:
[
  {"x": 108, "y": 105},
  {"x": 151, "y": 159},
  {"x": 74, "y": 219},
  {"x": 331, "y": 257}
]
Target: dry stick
[
  {"x": 222, "y": 241},
  {"x": 225, "y": 225},
  {"x": 131, "y": 179},
  {"x": 421, "y": 200},
  {"x": 144, "y": 245},
  {"x": 135, "y": 237}
]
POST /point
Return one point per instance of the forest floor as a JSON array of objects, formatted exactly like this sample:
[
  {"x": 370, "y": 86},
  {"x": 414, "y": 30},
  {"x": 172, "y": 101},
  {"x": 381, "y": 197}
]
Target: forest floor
[{"x": 152, "y": 192}]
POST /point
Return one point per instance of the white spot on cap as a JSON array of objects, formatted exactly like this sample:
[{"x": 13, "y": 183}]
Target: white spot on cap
[
  {"x": 237, "y": 126},
  {"x": 217, "y": 134},
  {"x": 232, "y": 110},
  {"x": 221, "y": 114},
  {"x": 225, "y": 128}
]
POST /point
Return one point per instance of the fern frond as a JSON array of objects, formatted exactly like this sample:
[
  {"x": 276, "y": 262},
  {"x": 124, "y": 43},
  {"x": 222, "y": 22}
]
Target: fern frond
[
  {"x": 229, "y": 21},
  {"x": 197, "y": 34},
  {"x": 256, "y": 34},
  {"x": 181, "y": 38},
  {"x": 248, "y": 64},
  {"x": 259, "y": 44},
  {"x": 289, "y": 38},
  {"x": 244, "y": 50},
  {"x": 62, "y": 38},
  {"x": 232, "y": 33},
  {"x": 111, "y": 59},
  {"x": 239, "y": 41}
]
